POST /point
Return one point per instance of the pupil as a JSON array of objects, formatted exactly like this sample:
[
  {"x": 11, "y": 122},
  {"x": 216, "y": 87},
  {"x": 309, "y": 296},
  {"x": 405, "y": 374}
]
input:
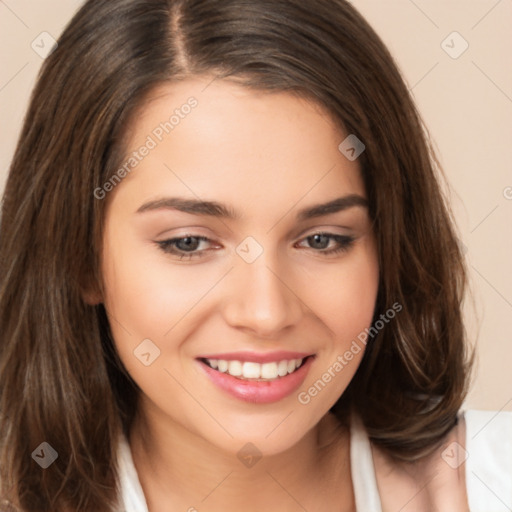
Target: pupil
[
  {"x": 320, "y": 241},
  {"x": 188, "y": 244}
]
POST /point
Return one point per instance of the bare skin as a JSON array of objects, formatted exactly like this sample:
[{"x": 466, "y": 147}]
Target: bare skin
[
  {"x": 313, "y": 475},
  {"x": 435, "y": 482},
  {"x": 311, "y": 290}
]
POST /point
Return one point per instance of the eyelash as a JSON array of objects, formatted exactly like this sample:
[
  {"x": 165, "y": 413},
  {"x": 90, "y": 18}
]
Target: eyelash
[{"x": 168, "y": 246}]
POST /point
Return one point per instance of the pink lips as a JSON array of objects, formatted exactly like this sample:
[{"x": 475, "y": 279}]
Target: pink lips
[
  {"x": 257, "y": 357},
  {"x": 259, "y": 392}
]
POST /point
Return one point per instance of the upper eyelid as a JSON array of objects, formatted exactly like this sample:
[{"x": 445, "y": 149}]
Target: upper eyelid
[
  {"x": 202, "y": 238},
  {"x": 346, "y": 240},
  {"x": 311, "y": 231},
  {"x": 175, "y": 239},
  {"x": 301, "y": 237}
]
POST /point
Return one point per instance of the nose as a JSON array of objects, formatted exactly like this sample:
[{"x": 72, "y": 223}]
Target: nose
[{"x": 261, "y": 299}]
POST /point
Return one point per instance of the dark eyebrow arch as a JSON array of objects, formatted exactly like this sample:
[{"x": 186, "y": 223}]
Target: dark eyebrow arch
[
  {"x": 337, "y": 205},
  {"x": 215, "y": 209},
  {"x": 192, "y": 206}
]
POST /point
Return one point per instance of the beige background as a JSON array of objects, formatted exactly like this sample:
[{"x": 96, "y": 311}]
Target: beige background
[{"x": 466, "y": 103}]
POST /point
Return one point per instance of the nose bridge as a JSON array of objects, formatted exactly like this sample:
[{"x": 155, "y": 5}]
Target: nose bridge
[{"x": 261, "y": 297}]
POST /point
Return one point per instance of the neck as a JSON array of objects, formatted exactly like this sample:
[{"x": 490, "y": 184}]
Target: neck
[{"x": 180, "y": 468}]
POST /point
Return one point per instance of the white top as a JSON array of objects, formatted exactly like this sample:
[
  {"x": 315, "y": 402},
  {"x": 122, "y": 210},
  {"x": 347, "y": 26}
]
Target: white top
[{"x": 488, "y": 467}]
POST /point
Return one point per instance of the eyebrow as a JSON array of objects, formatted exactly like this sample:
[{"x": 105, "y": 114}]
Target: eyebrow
[
  {"x": 337, "y": 205},
  {"x": 193, "y": 206},
  {"x": 215, "y": 209}
]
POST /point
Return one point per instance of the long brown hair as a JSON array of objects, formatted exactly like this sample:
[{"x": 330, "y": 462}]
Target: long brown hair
[{"x": 60, "y": 379}]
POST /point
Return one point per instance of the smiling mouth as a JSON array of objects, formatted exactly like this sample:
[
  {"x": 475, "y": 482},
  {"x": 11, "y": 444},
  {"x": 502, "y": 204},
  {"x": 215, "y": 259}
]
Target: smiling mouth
[{"x": 259, "y": 372}]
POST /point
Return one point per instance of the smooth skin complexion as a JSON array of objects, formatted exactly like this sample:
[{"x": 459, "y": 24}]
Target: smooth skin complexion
[{"x": 267, "y": 158}]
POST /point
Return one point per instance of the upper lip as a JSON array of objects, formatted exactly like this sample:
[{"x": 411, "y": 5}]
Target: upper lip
[{"x": 258, "y": 357}]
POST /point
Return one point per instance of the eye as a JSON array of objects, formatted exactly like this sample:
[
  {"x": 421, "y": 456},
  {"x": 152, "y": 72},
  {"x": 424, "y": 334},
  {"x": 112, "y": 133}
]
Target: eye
[
  {"x": 186, "y": 247},
  {"x": 328, "y": 243}
]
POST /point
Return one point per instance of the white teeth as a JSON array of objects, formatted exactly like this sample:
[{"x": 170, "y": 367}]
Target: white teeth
[
  {"x": 251, "y": 370},
  {"x": 269, "y": 371},
  {"x": 235, "y": 368},
  {"x": 282, "y": 368}
]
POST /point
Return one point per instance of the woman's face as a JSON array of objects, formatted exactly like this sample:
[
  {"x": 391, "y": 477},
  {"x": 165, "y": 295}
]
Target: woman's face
[{"x": 237, "y": 247}]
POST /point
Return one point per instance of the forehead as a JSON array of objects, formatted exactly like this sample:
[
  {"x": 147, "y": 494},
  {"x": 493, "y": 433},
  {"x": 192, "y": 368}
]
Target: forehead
[{"x": 219, "y": 140}]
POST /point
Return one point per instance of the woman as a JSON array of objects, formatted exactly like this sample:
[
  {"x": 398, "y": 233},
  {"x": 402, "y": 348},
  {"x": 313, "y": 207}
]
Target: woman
[{"x": 229, "y": 278}]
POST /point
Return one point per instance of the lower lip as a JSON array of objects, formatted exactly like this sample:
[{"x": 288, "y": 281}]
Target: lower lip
[{"x": 259, "y": 392}]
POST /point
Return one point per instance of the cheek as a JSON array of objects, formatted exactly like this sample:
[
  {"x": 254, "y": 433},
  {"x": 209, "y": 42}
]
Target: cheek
[
  {"x": 149, "y": 298},
  {"x": 346, "y": 306},
  {"x": 148, "y": 294},
  {"x": 144, "y": 301},
  {"x": 346, "y": 301}
]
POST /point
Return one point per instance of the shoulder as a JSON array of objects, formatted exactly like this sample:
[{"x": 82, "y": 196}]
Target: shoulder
[
  {"x": 489, "y": 460},
  {"x": 470, "y": 471}
]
